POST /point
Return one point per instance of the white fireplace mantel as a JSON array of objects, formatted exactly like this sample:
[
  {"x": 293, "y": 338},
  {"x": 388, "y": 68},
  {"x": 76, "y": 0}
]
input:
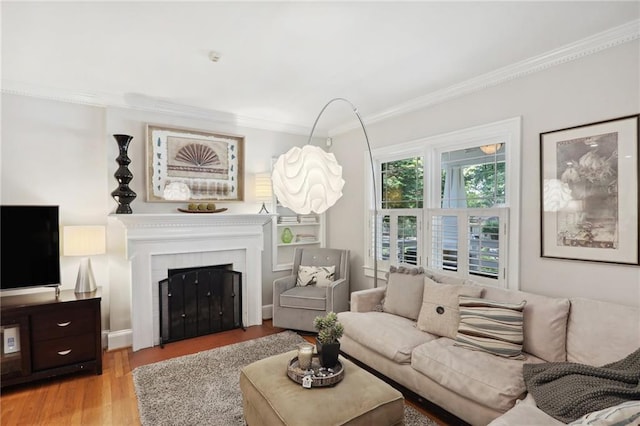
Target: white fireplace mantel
[{"x": 155, "y": 241}]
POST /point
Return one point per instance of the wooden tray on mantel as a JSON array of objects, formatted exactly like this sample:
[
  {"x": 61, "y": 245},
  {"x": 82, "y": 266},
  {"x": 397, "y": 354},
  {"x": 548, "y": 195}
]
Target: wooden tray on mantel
[{"x": 223, "y": 209}]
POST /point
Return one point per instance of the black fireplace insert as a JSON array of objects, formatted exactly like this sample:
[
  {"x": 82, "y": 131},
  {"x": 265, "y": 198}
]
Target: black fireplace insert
[{"x": 199, "y": 301}]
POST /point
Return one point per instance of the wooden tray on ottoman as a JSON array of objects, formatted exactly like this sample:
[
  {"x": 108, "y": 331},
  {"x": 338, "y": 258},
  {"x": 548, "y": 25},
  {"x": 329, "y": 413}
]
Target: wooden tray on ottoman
[{"x": 321, "y": 376}]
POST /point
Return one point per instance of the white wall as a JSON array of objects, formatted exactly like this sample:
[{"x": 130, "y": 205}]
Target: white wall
[
  {"x": 597, "y": 87},
  {"x": 62, "y": 153},
  {"x": 260, "y": 146},
  {"x": 54, "y": 153}
]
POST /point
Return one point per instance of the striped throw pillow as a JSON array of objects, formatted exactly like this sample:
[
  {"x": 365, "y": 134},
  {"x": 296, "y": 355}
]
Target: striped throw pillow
[{"x": 490, "y": 326}]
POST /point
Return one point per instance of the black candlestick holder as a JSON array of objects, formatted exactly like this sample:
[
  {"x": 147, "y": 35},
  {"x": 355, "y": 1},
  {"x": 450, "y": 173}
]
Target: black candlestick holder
[{"x": 123, "y": 194}]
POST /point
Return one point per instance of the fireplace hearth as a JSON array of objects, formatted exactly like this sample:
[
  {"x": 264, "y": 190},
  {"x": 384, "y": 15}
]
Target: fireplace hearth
[{"x": 199, "y": 301}]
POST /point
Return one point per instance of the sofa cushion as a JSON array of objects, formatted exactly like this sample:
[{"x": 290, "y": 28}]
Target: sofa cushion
[
  {"x": 593, "y": 322},
  {"x": 321, "y": 276},
  {"x": 490, "y": 380},
  {"x": 392, "y": 336},
  {"x": 627, "y": 413},
  {"x": 525, "y": 409},
  {"x": 310, "y": 297},
  {"x": 404, "y": 292},
  {"x": 439, "y": 313},
  {"x": 545, "y": 322},
  {"x": 492, "y": 327}
]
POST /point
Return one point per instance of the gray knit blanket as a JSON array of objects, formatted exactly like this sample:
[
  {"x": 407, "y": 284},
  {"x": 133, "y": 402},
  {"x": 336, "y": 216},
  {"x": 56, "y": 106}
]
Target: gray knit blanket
[{"x": 568, "y": 391}]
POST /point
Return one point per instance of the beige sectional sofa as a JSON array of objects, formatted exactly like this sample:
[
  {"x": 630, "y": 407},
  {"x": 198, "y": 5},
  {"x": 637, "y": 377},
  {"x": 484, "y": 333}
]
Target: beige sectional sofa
[{"x": 476, "y": 386}]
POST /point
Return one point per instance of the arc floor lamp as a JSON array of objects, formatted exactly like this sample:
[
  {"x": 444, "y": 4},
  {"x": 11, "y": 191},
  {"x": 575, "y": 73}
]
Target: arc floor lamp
[{"x": 309, "y": 179}]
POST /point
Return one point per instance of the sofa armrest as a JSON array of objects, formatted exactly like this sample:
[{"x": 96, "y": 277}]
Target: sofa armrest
[
  {"x": 367, "y": 300},
  {"x": 338, "y": 296},
  {"x": 280, "y": 285}
]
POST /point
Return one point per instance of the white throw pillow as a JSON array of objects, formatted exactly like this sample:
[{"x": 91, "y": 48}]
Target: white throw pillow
[
  {"x": 403, "y": 295},
  {"x": 439, "y": 313},
  {"x": 627, "y": 413},
  {"x": 320, "y": 276}
]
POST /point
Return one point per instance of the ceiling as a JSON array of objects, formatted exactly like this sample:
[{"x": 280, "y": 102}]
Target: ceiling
[{"x": 280, "y": 61}]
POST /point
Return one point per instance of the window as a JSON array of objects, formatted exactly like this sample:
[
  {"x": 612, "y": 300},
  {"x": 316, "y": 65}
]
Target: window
[
  {"x": 464, "y": 187},
  {"x": 400, "y": 211},
  {"x": 468, "y": 241},
  {"x": 402, "y": 183}
]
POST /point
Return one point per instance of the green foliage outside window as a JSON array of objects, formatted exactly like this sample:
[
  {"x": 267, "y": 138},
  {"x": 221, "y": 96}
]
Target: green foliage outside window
[
  {"x": 484, "y": 185},
  {"x": 402, "y": 184}
]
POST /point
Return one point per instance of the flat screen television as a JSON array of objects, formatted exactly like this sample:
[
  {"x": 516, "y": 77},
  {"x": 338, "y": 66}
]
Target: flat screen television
[{"x": 30, "y": 246}]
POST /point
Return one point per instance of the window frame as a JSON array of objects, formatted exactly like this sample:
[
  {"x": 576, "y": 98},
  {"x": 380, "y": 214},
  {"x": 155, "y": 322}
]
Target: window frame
[
  {"x": 508, "y": 131},
  {"x": 463, "y": 239}
]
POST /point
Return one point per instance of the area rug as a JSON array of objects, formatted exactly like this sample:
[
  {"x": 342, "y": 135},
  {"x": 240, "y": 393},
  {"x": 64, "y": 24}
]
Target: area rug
[{"x": 203, "y": 388}]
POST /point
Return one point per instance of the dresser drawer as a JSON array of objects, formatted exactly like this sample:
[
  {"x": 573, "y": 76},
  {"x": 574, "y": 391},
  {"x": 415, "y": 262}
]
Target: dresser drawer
[
  {"x": 67, "y": 350},
  {"x": 71, "y": 321}
]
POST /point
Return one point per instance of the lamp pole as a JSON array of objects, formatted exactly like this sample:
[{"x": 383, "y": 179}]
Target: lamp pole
[{"x": 373, "y": 178}]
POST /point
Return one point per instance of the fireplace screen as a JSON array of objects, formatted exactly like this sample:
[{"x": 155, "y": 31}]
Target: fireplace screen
[{"x": 199, "y": 301}]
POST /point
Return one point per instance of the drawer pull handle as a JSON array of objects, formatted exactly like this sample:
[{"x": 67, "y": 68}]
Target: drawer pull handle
[
  {"x": 63, "y": 324},
  {"x": 63, "y": 353}
]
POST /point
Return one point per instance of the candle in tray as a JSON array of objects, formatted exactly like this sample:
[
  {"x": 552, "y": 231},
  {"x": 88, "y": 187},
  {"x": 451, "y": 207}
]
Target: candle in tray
[{"x": 305, "y": 352}]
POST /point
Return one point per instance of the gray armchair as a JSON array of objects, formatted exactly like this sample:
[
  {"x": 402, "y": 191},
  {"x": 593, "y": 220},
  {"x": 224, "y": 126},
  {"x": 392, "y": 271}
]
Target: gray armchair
[{"x": 296, "y": 307}]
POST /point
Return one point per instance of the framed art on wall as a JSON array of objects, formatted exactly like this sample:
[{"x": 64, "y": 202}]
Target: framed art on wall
[
  {"x": 193, "y": 165},
  {"x": 589, "y": 192}
]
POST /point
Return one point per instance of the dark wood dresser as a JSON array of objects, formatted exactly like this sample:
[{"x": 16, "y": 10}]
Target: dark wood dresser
[{"x": 44, "y": 336}]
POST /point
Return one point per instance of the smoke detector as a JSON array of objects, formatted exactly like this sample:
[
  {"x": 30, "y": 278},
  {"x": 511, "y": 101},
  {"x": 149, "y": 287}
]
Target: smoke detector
[{"x": 214, "y": 56}]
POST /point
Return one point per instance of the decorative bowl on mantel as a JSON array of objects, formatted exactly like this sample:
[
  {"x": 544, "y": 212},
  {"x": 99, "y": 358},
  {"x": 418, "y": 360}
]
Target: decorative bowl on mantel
[{"x": 202, "y": 208}]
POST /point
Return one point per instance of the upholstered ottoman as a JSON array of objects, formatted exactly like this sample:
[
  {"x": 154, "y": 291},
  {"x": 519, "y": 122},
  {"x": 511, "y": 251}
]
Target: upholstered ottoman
[{"x": 270, "y": 397}]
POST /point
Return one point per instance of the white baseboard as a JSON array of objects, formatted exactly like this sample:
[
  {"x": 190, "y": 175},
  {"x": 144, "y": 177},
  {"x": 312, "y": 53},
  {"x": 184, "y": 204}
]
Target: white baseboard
[
  {"x": 267, "y": 312},
  {"x": 119, "y": 339}
]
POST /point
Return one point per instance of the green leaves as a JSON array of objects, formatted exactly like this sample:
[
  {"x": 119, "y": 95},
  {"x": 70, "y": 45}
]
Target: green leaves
[{"x": 329, "y": 329}]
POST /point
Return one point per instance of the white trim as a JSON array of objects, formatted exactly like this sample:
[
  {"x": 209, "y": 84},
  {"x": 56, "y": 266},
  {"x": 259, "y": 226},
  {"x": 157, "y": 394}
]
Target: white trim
[
  {"x": 119, "y": 339},
  {"x": 593, "y": 44},
  {"x": 267, "y": 311},
  {"x": 144, "y": 103}
]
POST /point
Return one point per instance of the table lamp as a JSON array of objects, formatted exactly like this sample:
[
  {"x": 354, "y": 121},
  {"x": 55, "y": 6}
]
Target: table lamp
[
  {"x": 263, "y": 190},
  {"x": 84, "y": 241}
]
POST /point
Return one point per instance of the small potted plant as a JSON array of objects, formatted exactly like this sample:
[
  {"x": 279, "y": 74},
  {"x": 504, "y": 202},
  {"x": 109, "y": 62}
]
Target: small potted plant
[{"x": 327, "y": 343}]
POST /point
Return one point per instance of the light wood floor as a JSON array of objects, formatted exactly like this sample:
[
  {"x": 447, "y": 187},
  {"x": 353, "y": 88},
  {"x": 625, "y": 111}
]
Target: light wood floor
[{"x": 109, "y": 399}]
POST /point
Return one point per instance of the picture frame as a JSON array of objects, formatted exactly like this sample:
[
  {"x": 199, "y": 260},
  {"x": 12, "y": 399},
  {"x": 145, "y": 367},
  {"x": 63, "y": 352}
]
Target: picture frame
[
  {"x": 189, "y": 165},
  {"x": 589, "y": 192}
]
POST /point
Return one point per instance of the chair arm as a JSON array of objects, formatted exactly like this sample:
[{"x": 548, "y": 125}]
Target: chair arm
[
  {"x": 367, "y": 300},
  {"x": 338, "y": 296},
  {"x": 280, "y": 285}
]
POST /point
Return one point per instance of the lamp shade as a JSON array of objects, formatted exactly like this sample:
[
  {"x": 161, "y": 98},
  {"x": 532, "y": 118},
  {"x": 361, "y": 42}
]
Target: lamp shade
[
  {"x": 307, "y": 179},
  {"x": 84, "y": 240},
  {"x": 491, "y": 149},
  {"x": 263, "y": 187}
]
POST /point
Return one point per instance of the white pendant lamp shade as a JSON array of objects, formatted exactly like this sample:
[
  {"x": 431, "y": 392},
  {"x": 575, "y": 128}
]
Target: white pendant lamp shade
[{"x": 307, "y": 180}]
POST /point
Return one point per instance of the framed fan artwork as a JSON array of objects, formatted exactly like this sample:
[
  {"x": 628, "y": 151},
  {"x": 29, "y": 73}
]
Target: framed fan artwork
[
  {"x": 188, "y": 165},
  {"x": 590, "y": 196}
]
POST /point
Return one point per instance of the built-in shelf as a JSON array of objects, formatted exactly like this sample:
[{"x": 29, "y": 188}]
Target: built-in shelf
[
  {"x": 301, "y": 243},
  {"x": 283, "y": 252}
]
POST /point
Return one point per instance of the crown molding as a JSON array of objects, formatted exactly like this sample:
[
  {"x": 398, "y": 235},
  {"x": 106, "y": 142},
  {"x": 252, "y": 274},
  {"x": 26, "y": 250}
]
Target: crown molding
[
  {"x": 585, "y": 47},
  {"x": 146, "y": 103},
  {"x": 579, "y": 49}
]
